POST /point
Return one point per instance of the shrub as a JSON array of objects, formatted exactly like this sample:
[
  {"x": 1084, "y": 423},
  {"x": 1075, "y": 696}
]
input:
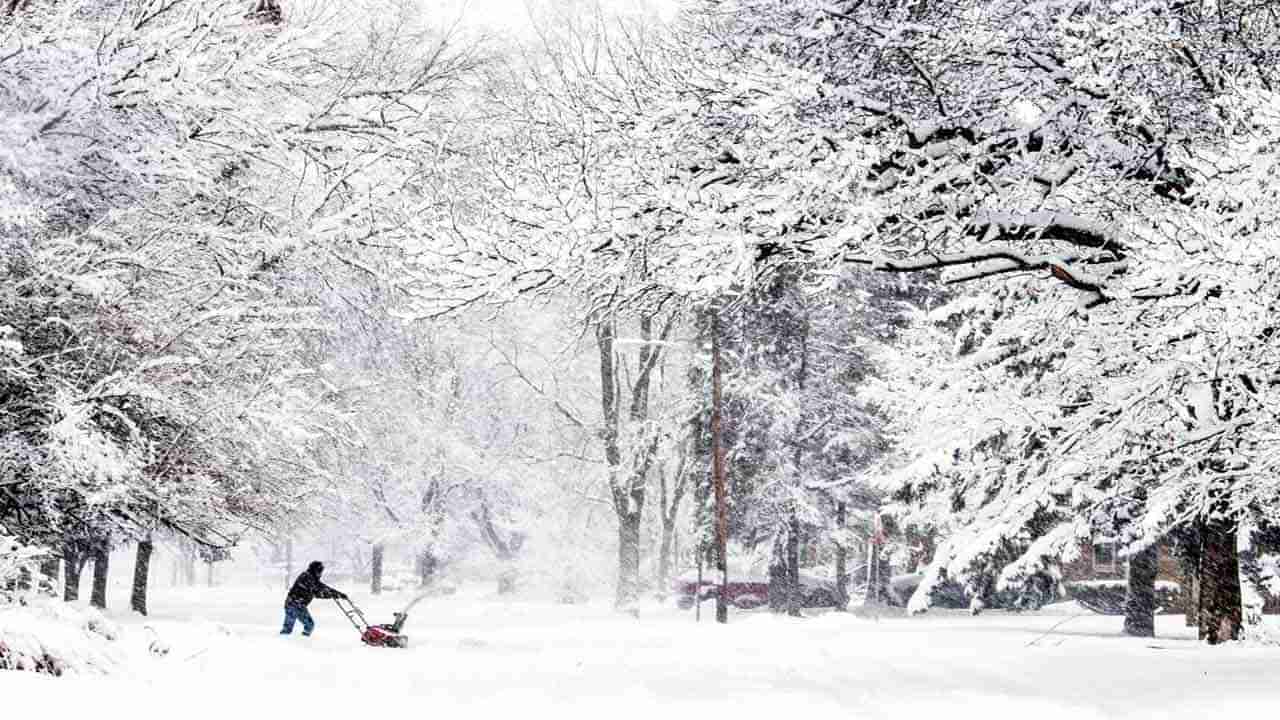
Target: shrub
[
  {"x": 1107, "y": 596},
  {"x": 17, "y": 563},
  {"x": 52, "y": 638}
]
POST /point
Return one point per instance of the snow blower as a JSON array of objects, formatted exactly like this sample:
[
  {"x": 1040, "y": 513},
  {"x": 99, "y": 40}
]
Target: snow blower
[{"x": 387, "y": 635}]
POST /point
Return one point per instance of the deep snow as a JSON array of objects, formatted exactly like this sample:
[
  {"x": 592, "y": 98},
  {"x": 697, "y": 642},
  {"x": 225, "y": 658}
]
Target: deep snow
[{"x": 474, "y": 655}]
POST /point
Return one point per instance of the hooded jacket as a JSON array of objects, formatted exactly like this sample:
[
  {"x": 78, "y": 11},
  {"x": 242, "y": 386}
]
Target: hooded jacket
[{"x": 308, "y": 587}]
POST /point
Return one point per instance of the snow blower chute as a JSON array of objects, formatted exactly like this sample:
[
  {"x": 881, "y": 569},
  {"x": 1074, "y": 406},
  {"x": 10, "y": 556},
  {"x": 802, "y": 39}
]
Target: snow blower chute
[{"x": 388, "y": 635}]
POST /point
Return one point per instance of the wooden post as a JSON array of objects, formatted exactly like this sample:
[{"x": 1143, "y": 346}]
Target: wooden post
[{"x": 717, "y": 472}]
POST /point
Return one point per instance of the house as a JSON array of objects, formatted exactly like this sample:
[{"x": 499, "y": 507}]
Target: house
[
  {"x": 1101, "y": 561},
  {"x": 1098, "y": 577}
]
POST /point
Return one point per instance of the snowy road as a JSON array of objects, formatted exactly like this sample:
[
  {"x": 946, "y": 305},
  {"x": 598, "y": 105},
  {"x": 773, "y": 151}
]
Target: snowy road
[{"x": 474, "y": 656}]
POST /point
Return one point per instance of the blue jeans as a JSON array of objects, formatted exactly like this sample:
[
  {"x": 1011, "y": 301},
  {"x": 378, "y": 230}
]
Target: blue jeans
[{"x": 292, "y": 614}]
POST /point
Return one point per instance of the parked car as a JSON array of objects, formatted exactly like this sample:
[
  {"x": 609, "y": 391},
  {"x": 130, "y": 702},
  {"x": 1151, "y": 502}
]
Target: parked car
[
  {"x": 947, "y": 595},
  {"x": 752, "y": 591}
]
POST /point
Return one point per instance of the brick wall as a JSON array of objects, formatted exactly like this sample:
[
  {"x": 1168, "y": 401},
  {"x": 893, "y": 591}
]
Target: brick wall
[
  {"x": 1092, "y": 565},
  {"x": 1086, "y": 567}
]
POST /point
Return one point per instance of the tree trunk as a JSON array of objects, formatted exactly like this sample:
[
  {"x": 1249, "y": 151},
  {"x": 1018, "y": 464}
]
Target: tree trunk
[
  {"x": 72, "y": 566},
  {"x": 1220, "y": 606},
  {"x": 669, "y": 509},
  {"x": 795, "y": 599},
  {"x": 842, "y": 560},
  {"x": 375, "y": 569},
  {"x": 1252, "y": 586},
  {"x": 49, "y": 575},
  {"x": 665, "y": 552},
  {"x": 189, "y": 566},
  {"x": 675, "y": 553},
  {"x": 508, "y": 581},
  {"x": 208, "y": 573},
  {"x": 426, "y": 568},
  {"x": 927, "y": 547},
  {"x": 288, "y": 562},
  {"x": 778, "y": 575},
  {"x": 873, "y": 582},
  {"x": 1140, "y": 598},
  {"x": 1192, "y": 599},
  {"x": 141, "y": 571},
  {"x": 505, "y": 547},
  {"x": 1189, "y": 562},
  {"x": 877, "y": 569},
  {"x": 22, "y": 583},
  {"x": 627, "y": 486},
  {"x": 628, "y": 561},
  {"x": 101, "y": 561}
]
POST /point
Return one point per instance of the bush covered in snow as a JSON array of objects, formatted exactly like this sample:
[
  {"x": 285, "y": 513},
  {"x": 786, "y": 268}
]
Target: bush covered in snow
[
  {"x": 1107, "y": 596},
  {"x": 55, "y": 638},
  {"x": 16, "y": 558}
]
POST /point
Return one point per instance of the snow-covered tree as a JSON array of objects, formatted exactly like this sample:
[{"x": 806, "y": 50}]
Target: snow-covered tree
[
  {"x": 1120, "y": 152},
  {"x": 176, "y": 178}
]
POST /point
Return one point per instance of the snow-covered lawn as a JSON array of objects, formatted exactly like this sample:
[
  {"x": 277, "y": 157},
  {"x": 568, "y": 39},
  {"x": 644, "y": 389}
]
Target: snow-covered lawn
[{"x": 474, "y": 656}]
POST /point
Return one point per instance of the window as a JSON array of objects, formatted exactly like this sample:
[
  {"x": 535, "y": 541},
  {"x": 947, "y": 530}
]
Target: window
[{"x": 1104, "y": 557}]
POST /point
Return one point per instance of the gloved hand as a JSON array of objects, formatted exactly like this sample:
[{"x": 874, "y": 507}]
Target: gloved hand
[{"x": 342, "y": 596}]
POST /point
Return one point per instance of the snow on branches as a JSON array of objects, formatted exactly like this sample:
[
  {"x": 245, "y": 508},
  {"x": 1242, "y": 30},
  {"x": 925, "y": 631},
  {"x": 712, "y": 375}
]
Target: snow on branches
[
  {"x": 176, "y": 184},
  {"x": 1123, "y": 154}
]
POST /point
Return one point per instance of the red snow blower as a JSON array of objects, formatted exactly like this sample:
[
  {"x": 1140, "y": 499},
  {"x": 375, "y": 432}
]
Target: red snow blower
[{"x": 387, "y": 635}]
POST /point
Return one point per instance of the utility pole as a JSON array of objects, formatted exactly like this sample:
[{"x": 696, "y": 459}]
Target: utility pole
[{"x": 717, "y": 473}]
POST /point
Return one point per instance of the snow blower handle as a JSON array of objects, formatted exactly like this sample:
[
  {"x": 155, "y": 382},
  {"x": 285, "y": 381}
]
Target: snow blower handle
[{"x": 353, "y": 613}]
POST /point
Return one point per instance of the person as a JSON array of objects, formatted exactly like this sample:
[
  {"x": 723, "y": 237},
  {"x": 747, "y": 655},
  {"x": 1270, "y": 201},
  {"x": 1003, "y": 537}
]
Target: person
[{"x": 305, "y": 589}]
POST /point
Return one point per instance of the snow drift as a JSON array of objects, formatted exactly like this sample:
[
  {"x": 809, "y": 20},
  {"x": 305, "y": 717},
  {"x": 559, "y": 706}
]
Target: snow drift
[{"x": 55, "y": 638}]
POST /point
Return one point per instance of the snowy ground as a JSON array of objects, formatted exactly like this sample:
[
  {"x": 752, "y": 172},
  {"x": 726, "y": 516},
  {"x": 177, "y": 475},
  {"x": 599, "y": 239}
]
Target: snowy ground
[{"x": 476, "y": 656}]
